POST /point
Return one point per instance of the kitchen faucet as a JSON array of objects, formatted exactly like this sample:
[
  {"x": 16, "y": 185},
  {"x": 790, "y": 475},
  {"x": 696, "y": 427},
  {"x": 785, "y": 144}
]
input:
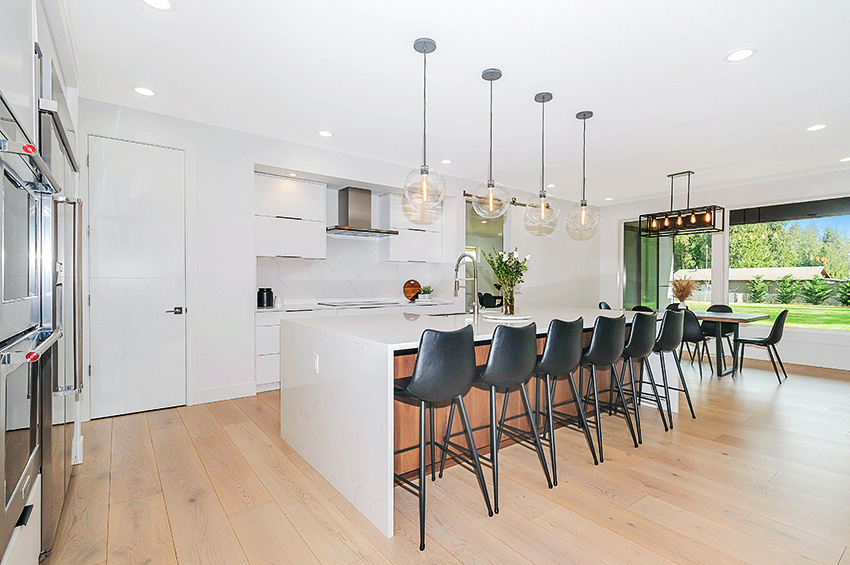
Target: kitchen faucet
[{"x": 460, "y": 260}]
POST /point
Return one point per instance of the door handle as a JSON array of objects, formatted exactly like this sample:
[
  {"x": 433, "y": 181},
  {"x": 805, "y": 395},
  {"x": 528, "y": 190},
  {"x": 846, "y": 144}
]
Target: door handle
[{"x": 176, "y": 311}]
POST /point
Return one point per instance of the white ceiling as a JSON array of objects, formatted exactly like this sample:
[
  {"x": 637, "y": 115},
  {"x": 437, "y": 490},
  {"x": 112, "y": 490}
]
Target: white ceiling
[{"x": 651, "y": 71}]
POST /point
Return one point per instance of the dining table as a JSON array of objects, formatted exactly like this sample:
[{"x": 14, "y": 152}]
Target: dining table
[{"x": 735, "y": 318}]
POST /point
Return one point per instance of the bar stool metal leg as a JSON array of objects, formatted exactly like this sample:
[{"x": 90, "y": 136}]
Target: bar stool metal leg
[
  {"x": 666, "y": 389},
  {"x": 635, "y": 398},
  {"x": 494, "y": 449},
  {"x": 446, "y": 439},
  {"x": 625, "y": 406},
  {"x": 551, "y": 426},
  {"x": 596, "y": 410},
  {"x": 474, "y": 450},
  {"x": 582, "y": 416},
  {"x": 684, "y": 386},
  {"x": 422, "y": 476},
  {"x": 433, "y": 443},
  {"x": 533, "y": 425},
  {"x": 644, "y": 364}
]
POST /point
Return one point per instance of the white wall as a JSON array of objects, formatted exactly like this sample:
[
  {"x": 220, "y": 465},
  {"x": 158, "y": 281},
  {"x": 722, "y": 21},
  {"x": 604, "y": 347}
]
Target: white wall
[
  {"x": 819, "y": 348},
  {"x": 221, "y": 266}
]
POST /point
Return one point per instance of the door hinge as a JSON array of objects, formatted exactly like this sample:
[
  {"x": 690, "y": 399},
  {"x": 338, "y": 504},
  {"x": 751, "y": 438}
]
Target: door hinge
[
  {"x": 89, "y": 299},
  {"x": 88, "y": 231},
  {"x": 88, "y": 160},
  {"x": 89, "y": 370}
]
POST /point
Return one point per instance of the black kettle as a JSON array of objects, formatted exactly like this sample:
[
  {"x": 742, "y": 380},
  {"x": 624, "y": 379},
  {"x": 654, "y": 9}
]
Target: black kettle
[{"x": 265, "y": 298}]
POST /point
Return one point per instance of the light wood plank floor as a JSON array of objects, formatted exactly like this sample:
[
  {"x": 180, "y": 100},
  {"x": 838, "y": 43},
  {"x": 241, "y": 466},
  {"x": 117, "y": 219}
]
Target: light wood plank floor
[{"x": 762, "y": 476}]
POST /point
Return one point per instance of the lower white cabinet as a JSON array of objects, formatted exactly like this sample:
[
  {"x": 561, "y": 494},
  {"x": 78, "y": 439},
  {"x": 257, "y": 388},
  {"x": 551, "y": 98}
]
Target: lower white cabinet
[
  {"x": 25, "y": 545},
  {"x": 286, "y": 237},
  {"x": 413, "y": 245}
]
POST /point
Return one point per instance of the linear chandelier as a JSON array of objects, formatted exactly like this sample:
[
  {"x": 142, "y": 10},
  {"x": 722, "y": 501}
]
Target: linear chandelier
[{"x": 687, "y": 220}]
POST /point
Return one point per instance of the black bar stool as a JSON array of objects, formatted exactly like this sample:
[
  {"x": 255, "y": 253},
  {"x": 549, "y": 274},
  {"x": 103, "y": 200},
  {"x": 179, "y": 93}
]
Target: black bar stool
[
  {"x": 512, "y": 358},
  {"x": 768, "y": 343},
  {"x": 445, "y": 367},
  {"x": 606, "y": 348},
  {"x": 561, "y": 356},
  {"x": 669, "y": 340},
  {"x": 604, "y": 306},
  {"x": 639, "y": 348}
]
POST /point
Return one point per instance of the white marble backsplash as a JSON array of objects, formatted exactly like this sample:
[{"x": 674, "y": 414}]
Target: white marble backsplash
[{"x": 352, "y": 270}]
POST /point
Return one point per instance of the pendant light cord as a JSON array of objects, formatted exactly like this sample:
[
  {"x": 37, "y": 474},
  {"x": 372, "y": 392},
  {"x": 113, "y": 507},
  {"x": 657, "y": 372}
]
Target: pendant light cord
[
  {"x": 490, "y": 176},
  {"x": 424, "y": 107},
  {"x": 583, "y": 160},
  {"x": 542, "y": 149}
]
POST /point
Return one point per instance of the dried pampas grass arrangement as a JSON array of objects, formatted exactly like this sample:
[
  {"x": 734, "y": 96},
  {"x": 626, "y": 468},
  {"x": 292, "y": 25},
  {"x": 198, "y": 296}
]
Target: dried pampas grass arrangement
[{"x": 683, "y": 288}]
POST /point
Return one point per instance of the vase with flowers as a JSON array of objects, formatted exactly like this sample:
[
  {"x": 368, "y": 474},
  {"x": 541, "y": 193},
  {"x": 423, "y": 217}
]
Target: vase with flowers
[
  {"x": 683, "y": 289},
  {"x": 508, "y": 269}
]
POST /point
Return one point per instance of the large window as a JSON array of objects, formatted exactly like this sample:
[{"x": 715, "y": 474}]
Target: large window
[{"x": 793, "y": 256}]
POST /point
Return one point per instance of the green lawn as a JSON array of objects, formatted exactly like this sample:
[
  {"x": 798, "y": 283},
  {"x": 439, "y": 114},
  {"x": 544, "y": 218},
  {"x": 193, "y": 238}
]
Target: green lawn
[{"x": 799, "y": 315}]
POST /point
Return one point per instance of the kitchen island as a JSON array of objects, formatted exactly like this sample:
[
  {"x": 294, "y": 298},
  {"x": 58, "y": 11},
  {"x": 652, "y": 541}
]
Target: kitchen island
[{"x": 337, "y": 406}]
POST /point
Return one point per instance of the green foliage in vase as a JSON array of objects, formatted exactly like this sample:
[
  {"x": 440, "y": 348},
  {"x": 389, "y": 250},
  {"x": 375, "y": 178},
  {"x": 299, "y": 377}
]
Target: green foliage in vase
[
  {"x": 507, "y": 266},
  {"x": 788, "y": 290},
  {"x": 757, "y": 289},
  {"x": 426, "y": 290},
  {"x": 816, "y": 290},
  {"x": 844, "y": 293}
]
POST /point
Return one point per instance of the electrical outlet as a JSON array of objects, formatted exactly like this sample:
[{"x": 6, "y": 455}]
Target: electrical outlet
[{"x": 316, "y": 363}]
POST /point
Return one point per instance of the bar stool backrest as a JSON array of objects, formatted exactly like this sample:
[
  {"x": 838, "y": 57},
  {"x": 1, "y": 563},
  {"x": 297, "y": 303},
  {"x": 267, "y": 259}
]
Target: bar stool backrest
[
  {"x": 608, "y": 341},
  {"x": 778, "y": 327},
  {"x": 604, "y": 306},
  {"x": 691, "y": 330},
  {"x": 562, "y": 353},
  {"x": 445, "y": 365},
  {"x": 642, "y": 336},
  {"x": 670, "y": 335},
  {"x": 513, "y": 355}
]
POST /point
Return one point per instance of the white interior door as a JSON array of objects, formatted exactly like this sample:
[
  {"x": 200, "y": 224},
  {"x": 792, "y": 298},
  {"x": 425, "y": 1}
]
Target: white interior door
[{"x": 137, "y": 277}]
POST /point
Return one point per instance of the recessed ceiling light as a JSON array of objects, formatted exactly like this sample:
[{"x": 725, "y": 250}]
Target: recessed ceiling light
[
  {"x": 325, "y": 133},
  {"x": 483, "y": 221},
  {"x": 143, "y": 91},
  {"x": 816, "y": 127},
  {"x": 164, "y": 5},
  {"x": 739, "y": 55},
  {"x": 446, "y": 161},
  {"x": 609, "y": 199},
  {"x": 550, "y": 186},
  {"x": 293, "y": 175},
  {"x": 844, "y": 160}
]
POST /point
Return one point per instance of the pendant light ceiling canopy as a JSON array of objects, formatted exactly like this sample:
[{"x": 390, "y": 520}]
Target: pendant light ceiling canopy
[
  {"x": 541, "y": 209},
  {"x": 583, "y": 217},
  {"x": 702, "y": 219},
  {"x": 424, "y": 187},
  {"x": 491, "y": 199}
]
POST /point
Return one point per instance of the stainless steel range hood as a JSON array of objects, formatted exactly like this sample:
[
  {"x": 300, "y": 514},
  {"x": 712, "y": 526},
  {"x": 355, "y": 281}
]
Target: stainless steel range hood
[{"x": 355, "y": 215}]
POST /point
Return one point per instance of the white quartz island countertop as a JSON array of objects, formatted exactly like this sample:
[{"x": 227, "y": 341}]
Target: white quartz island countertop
[{"x": 337, "y": 392}]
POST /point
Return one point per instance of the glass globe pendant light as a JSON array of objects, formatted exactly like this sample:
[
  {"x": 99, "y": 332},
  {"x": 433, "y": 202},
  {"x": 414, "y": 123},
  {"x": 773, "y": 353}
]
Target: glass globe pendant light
[
  {"x": 583, "y": 217},
  {"x": 491, "y": 199},
  {"x": 424, "y": 187},
  {"x": 540, "y": 209}
]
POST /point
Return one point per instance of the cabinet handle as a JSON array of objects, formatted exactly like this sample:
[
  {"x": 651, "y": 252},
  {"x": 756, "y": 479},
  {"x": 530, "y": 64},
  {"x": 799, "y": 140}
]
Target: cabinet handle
[
  {"x": 25, "y": 516},
  {"x": 417, "y": 229},
  {"x": 417, "y": 261},
  {"x": 289, "y": 218},
  {"x": 289, "y": 256}
]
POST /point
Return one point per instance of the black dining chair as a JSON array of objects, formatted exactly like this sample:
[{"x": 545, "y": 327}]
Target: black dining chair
[
  {"x": 677, "y": 306},
  {"x": 692, "y": 333},
  {"x": 727, "y": 329},
  {"x": 604, "y": 306},
  {"x": 642, "y": 308},
  {"x": 512, "y": 358},
  {"x": 487, "y": 300},
  {"x": 769, "y": 342},
  {"x": 668, "y": 341},
  {"x": 561, "y": 357},
  {"x": 444, "y": 371},
  {"x": 606, "y": 349}
]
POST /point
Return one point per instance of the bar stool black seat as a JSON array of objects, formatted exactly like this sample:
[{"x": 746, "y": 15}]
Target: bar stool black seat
[
  {"x": 642, "y": 308},
  {"x": 512, "y": 358},
  {"x": 606, "y": 349},
  {"x": 669, "y": 340},
  {"x": 693, "y": 333},
  {"x": 561, "y": 357},
  {"x": 639, "y": 348},
  {"x": 604, "y": 306},
  {"x": 444, "y": 370},
  {"x": 768, "y": 343}
]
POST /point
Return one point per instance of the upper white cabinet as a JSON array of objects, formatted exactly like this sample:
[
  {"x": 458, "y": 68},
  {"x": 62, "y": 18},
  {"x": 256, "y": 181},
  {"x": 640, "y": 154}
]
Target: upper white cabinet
[
  {"x": 420, "y": 232},
  {"x": 289, "y": 198},
  {"x": 289, "y": 217},
  {"x": 17, "y": 62}
]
